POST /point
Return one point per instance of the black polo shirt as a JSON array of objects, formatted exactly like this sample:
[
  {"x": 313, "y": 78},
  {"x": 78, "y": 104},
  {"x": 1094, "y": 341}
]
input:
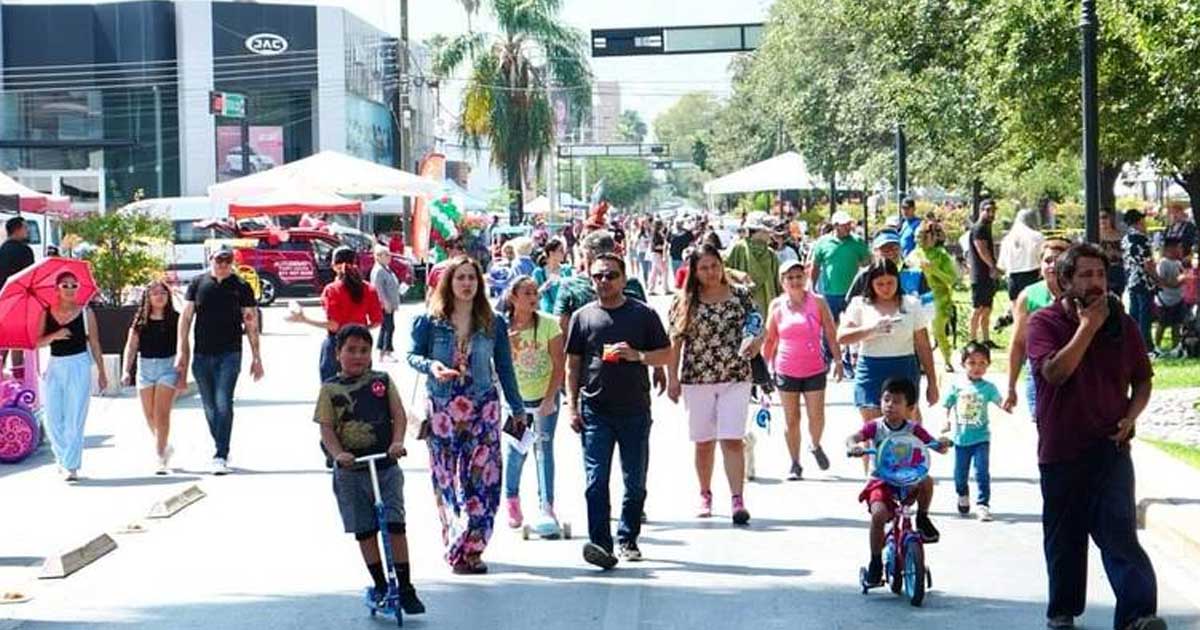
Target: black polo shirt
[
  {"x": 14, "y": 256},
  {"x": 219, "y": 312}
]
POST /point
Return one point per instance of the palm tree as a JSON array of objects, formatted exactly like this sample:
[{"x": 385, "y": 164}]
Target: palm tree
[
  {"x": 471, "y": 7},
  {"x": 507, "y": 99}
]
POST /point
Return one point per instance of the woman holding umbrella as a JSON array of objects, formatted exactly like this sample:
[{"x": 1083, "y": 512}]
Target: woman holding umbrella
[{"x": 69, "y": 328}]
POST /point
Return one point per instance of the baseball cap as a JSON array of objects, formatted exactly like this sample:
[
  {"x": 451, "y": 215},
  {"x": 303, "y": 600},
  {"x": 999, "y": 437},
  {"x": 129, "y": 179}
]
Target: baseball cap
[
  {"x": 224, "y": 250},
  {"x": 788, "y": 266},
  {"x": 886, "y": 237},
  {"x": 841, "y": 217}
]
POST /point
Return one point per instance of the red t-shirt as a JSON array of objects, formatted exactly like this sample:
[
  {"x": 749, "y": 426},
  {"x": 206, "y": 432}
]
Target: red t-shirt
[
  {"x": 341, "y": 308},
  {"x": 1084, "y": 410}
]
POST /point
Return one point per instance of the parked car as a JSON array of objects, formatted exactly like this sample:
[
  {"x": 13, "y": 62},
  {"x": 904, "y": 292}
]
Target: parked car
[{"x": 298, "y": 261}]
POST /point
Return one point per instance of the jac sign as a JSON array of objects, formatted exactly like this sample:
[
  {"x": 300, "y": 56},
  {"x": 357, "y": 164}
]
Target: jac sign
[{"x": 266, "y": 44}]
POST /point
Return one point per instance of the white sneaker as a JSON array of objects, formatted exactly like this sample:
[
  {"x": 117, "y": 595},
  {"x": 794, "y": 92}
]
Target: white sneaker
[
  {"x": 220, "y": 466},
  {"x": 164, "y": 462},
  {"x": 983, "y": 513},
  {"x": 71, "y": 476}
]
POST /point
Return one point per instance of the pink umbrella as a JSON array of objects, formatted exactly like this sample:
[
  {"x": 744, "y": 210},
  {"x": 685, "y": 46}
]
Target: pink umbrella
[{"x": 33, "y": 290}]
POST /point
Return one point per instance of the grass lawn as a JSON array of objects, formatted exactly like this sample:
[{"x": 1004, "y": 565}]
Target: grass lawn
[
  {"x": 1188, "y": 454},
  {"x": 1168, "y": 373}
]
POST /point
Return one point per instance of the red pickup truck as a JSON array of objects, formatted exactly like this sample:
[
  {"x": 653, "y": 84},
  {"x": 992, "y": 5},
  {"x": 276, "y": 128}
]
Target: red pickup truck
[{"x": 297, "y": 261}]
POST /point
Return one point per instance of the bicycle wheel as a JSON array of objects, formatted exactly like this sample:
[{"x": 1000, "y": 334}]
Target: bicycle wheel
[{"x": 914, "y": 571}]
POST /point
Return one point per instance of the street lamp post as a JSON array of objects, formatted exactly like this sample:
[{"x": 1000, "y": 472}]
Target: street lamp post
[
  {"x": 901, "y": 164},
  {"x": 1089, "y": 25}
]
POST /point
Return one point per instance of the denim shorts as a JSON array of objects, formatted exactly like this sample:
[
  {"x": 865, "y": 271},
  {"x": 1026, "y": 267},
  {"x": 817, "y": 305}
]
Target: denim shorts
[{"x": 151, "y": 372}]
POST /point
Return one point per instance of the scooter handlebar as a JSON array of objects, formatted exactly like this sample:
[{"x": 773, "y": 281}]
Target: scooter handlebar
[{"x": 370, "y": 458}]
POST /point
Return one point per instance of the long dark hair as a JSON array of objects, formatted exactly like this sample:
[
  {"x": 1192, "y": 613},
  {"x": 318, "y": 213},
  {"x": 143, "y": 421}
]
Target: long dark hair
[
  {"x": 879, "y": 269},
  {"x": 441, "y": 303},
  {"x": 143, "y": 313},
  {"x": 689, "y": 300},
  {"x": 351, "y": 276}
]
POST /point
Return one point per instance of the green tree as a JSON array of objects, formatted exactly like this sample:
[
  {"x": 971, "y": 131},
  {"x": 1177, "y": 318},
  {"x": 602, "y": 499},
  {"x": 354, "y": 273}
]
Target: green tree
[
  {"x": 1167, "y": 38},
  {"x": 124, "y": 249},
  {"x": 507, "y": 98},
  {"x": 691, "y": 118},
  {"x": 626, "y": 181},
  {"x": 631, "y": 127},
  {"x": 746, "y": 130},
  {"x": 1029, "y": 52}
]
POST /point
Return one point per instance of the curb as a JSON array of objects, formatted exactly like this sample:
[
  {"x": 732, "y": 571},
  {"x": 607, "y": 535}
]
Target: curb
[
  {"x": 67, "y": 562},
  {"x": 1178, "y": 518},
  {"x": 171, "y": 505}
]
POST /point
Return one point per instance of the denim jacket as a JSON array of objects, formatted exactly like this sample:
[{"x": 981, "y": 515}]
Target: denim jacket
[{"x": 490, "y": 360}]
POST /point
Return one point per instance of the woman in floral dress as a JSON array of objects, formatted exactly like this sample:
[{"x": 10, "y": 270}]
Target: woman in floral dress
[
  {"x": 460, "y": 344},
  {"x": 715, "y": 329}
]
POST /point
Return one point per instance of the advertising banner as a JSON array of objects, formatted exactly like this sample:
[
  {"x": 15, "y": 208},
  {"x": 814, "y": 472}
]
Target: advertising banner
[{"x": 266, "y": 150}]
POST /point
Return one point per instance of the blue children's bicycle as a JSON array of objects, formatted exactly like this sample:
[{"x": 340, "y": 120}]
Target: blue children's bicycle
[
  {"x": 902, "y": 462},
  {"x": 389, "y": 604}
]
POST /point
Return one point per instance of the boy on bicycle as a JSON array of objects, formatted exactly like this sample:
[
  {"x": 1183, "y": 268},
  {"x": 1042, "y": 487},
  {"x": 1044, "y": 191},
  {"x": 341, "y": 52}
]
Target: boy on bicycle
[
  {"x": 899, "y": 399},
  {"x": 360, "y": 414}
]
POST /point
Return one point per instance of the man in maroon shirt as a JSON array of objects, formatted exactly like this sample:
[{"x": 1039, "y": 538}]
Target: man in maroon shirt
[{"x": 1092, "y": 378}]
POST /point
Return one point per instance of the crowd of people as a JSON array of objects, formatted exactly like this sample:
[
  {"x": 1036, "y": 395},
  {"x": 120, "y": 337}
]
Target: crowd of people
[{"x": 570, "y": 331}]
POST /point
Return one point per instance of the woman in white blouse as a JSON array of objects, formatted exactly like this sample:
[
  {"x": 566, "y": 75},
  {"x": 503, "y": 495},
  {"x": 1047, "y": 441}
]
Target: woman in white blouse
[{"x": 890, "y": 329}]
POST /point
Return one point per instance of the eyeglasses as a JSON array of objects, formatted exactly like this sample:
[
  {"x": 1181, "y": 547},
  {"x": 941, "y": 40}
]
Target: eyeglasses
[
  {"x": 605, "y": 276},
  {"x": 68, "y": 285},
  {"x": 223, "y": 260}
]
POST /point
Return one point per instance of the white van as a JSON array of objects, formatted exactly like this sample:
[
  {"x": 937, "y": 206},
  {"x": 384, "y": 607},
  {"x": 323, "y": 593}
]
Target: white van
[
  {"x": 185, "y": 259},
  {"x": 44, "y": 230}
]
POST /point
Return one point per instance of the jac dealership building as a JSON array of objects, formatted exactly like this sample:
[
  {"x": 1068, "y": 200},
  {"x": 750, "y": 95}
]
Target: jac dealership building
[{"x": 101, "y": 100}]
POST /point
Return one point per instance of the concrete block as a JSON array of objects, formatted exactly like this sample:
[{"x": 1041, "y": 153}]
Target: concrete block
[
  {"x": 171, "y": 505},
  {"x": 60, "y": 565}
]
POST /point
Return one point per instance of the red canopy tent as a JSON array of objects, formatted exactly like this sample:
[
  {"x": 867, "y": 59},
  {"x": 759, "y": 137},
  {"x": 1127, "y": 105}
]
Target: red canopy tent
[
  {"x": 30, "y": 200},
  {"x": 293, "y": 202}
]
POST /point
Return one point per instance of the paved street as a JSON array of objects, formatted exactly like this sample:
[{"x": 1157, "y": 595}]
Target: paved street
[{"x": 265, "y": 549}]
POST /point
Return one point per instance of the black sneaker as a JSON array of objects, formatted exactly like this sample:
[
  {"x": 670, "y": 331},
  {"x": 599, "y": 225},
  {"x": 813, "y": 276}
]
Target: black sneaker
[
  {"x": 409, "y": 602},
  {"x": 819, "y": 455},
  {"x": 1147, "y": 623},
  {"x": 629, "y": 551},
  {"x": 929, "y": 533},
  {"x": 796, "y": 473},
  {"x": 992, "y": 345},
  {"x": 875, "y": 573},
  {"x": 964, "y": 505},
  {"x": 599, "y": 556},
  {"x": 1060, "y": 622}
]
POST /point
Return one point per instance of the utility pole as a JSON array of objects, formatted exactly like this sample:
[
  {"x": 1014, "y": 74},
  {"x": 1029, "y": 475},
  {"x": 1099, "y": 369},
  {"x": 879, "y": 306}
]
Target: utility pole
[
  {"x": 405, "y": 85},
  {"x": 1089, "y": 24}
]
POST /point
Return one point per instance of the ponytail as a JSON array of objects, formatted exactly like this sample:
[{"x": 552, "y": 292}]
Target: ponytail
[{"x": 352, "y": 279}]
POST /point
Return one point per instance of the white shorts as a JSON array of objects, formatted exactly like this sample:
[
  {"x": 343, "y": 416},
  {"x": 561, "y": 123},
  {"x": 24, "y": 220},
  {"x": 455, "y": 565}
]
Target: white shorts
[{"x": 717, "y": 412}]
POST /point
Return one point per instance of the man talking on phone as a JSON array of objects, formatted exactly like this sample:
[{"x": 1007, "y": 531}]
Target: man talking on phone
[
  {"x": 1092, "y": 379},
  {"x": 610, "y": 343}
]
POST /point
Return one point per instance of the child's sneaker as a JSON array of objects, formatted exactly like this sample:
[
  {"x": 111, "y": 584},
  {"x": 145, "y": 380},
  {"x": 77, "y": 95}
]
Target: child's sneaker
[
  {"x": 514, "y": 512},
  {"x": 796, "y": 473},
  {"x": 629, "y": 550},
  {"x": 984, "y": 512},
  {"x": 741, "y": 515},
  {"x": 929, "y": 533},
  {"x": 964, "y": 505},
  {"x": 409, "y": 603},
  {"x": 875, "y": 573},
  {"x": 705, "y": 505}
]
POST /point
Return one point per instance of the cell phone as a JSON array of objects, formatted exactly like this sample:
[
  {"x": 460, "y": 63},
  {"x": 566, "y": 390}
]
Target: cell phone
[{"x": 514, "y": 428}]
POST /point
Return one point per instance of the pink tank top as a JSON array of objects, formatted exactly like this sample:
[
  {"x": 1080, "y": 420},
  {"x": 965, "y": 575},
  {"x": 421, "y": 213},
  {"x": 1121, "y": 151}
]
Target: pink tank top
[{"x": 799, "y": 353}]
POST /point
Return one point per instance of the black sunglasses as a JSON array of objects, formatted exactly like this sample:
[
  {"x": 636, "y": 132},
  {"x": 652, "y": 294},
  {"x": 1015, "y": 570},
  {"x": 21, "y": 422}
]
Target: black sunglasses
[{"x": 605, "y": 276}]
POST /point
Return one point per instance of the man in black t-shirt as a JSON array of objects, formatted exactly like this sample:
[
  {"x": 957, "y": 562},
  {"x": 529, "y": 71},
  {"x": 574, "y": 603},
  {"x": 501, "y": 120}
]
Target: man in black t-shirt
[
  {"x": 681, "y": 239},
  {"x": 15, "y": 255},
  {"x": 222, "y": 305},
  {"x": 609, "y": 344},
  {"x": 983, "y": 273}
]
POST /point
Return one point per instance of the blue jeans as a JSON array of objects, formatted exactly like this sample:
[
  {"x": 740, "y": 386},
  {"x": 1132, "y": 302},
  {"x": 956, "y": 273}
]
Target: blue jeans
[
  {"x": 962, "y": 470},
  {"x": 837, "y": 304},
  {"x": 327, "y": 365},
  {"x": 601, "y": 432},
  {"x": 387, "y": 331},
  {"x": 543, "y": 450},
  {"x": 1140, "y": 301},
  {"x": 1093, "y": 495},
  {"x": 216, "y": 377}
]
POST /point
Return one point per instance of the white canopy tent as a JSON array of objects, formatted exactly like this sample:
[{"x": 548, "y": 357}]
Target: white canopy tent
[
  {"x": 786, "y": 171},
  {"x": 327, "y": 172}
]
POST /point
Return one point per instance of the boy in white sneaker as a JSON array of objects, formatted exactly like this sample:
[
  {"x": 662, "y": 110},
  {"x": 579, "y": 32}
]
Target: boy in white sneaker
[{"x": 966, "y": 405}]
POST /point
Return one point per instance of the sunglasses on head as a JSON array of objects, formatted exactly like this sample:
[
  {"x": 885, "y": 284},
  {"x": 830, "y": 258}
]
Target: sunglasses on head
[{"x": 605, "y": 276}]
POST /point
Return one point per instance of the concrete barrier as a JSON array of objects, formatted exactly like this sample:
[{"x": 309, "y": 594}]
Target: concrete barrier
[
  {"x": 60, "y": 565},
  {"x": 171, "y": 505}
]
